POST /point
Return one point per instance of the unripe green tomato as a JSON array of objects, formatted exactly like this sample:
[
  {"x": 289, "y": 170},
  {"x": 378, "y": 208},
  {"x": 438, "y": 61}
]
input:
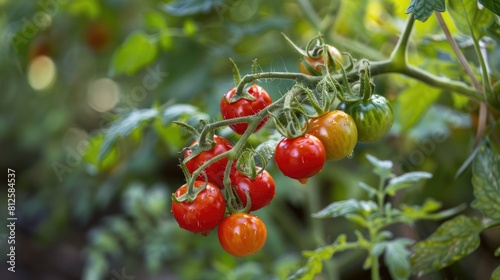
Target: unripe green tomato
[{"x": 373, "y": 117}]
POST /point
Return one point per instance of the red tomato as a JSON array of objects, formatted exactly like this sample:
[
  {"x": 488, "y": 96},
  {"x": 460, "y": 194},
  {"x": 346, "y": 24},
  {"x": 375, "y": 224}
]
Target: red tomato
[
  {"x": 242, "y": 234},
  {"x": 204, "y": 213},
  {"x": 215, "y": 171},
  {"x": 301, "y": 157},
  {"x": 261, "y": 190},
  {"x": 337, "y": 131},
  {"x": 244, "y": 107}
]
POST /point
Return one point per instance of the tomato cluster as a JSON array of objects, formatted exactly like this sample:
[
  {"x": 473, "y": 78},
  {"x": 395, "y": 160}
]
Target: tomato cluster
[
  {"x": 223, "y": 196},
  {"x": 240, "y": 234}
]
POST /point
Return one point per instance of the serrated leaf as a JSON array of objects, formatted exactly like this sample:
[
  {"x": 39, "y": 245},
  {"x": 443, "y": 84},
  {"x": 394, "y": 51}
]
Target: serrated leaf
[
  {"x": 492, "y": 5},
  {"x": 191, "y": 7},
  {"x": 136, "y": 52},
  {"x": 452, "y": 241},
  {"x": 123, "y": 128},
  {"x": 486, "y": 182},
  {"x": 345, "y": 207},
  {"x": 414, "y": 102},
  {"x": 396, "y": 257},
  {"x": 404, "y": 181},
  {"x": 423, "y": 9},
  {"x": 496, "y": 274},
  {"x": 467, "y": 15},
  {"x": 382, "y": 168}
]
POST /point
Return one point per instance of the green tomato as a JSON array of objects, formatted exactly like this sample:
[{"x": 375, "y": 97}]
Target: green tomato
[{"x": 373, "y": 117}]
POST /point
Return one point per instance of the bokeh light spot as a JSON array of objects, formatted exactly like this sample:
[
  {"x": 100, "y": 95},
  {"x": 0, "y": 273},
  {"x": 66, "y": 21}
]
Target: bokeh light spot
[
  {"x": 103, "y": 94},
  {"x": 41, "y": 72}
]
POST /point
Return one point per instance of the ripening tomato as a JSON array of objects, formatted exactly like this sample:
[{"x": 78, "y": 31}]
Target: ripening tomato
[
  {"x": 316, "y": 61},
  {"x": 373, "y": 117},
  {"x": 215, "y": 171},
  {"x": 337, "y": 131},
  {"x": 301, "y": 157},
  {"x": 261, "y": 190},
  {"x": 204, "y": 213},
  {"x": 245, "y": 107},
  {"x": 242, "y": 234}
]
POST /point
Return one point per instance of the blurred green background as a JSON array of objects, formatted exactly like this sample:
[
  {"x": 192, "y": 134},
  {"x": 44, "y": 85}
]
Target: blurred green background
[{"x": 70, "y": 68}]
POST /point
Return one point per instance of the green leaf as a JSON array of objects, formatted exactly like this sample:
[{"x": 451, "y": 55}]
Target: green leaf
[
  {"x": 496, "y": 274},
  {"x": 418, "y": 212},
  {"x": 423, "y": 9},
  {"x": 136, "y": 52},
  {"x": 96, "y": 265},
  {"x": 91, "y": 155},
  {"x": 371, "y": 191},
  {"x": 266, "y": 152},
  {"x": 345, "y": 207},
  {"x": 397, "y": 257},
  {"x": 452, "y": 241},
  {"x": 492, "y": 5},
  {"x": 172, "y": 135},
  {"x": 406, "y": 180},
  {"x": 494, "y": 30},
  {"x": 414, "y": 102},
  {"x": 486, "y": 182},
  {"x": 314, "y": 264},
  {"x": 381, "y": 167},
  {"x": 467, "y": 15},
  {"x": 156, "y": 21},
  {"x": 124, "y": 127},
  {"x": 191, "y": 7},
  {"x": 178, "y": 111}
]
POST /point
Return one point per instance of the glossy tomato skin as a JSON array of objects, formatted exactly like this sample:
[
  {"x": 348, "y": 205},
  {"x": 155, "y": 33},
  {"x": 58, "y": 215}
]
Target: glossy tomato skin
[
  {"x": 204, "y": 213},
  {"x": 242, "y": 234},
  {"x": 373, "y": 117},
  {"x": 301, "y": 157},
  {"x": 317, "y": 62},
  {"x": 261, "y": 190},
  {"x": 337, "y": 131},
  {"x": 244, "y": 107},
  {"x": 215, "y": 171}
]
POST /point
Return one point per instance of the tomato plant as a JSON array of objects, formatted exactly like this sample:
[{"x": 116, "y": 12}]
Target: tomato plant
[
  {"x": 373, "y": 117},
  {"x": 261, "y": 190},
  {"x": 301, "y": 157},
  {"x": 204, "y": 213},
  {"x": 257, "y": 100},
  {"x": 107, "y": 156},
  {"x": 242, "y": 234},
  {"x": 215, "y": 171},
  {"x": 337, "y": 131}
]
